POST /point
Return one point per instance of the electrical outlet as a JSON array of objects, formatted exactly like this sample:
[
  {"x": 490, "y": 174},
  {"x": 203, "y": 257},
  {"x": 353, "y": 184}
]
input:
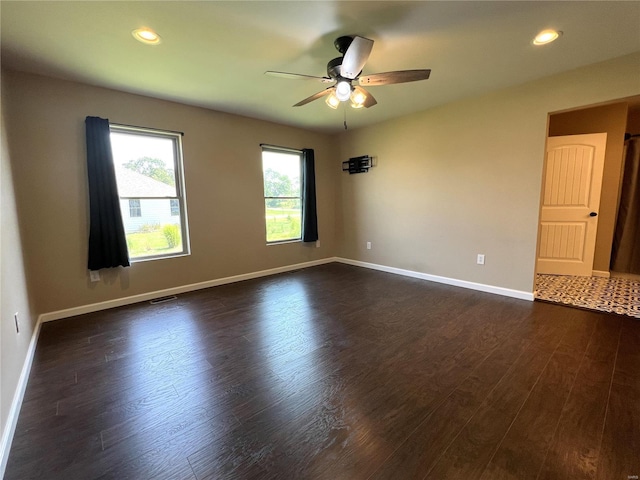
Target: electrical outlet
[
  {"x": 15, "y": 318},
  {"x": 317, "y": 243},
  {"x": 368, "y": 245},
  {"x": 94, "y": 275},
  {"x": 480, "y": 260}
]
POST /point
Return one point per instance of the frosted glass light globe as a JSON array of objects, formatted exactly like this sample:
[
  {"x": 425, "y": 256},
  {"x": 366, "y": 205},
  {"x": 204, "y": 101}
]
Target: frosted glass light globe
[{"x": 343, "y": 91}]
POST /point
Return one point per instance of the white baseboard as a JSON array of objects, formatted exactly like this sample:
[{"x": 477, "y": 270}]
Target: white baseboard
[
  {"x": 506, "y": 292},
  {"x": 16, "y": 404},
  {"x": 601, "y": 273},
  {"x": 119, "y": 302}
]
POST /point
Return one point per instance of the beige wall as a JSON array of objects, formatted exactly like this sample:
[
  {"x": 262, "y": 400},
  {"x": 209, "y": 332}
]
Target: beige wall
[
  {"x": 465, "y": 178},
  {"x": 13, "y": 284},
  {"x": 611, "y": 119},
  {"x": 223, "y": 176}
]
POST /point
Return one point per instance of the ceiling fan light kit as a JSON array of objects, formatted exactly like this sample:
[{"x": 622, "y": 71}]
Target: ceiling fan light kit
[
  {"x": 333, "y": 101},
  {"x": 358, "y": 98},
  {"x": 344, "y": 71},
  {"x": 343, "y": 90}
]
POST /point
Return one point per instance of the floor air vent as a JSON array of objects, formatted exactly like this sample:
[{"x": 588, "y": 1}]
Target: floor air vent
[{"x": 163, "y": 299}]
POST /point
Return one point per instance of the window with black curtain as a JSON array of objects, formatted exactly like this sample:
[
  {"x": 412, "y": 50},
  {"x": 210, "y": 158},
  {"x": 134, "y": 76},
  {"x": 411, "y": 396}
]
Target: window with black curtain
[{"x": 289, "y": 194}]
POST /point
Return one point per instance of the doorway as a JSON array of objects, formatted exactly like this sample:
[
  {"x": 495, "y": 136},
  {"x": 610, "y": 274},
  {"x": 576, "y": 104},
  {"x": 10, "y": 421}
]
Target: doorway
[
  {"x": 601, "y": 289},
  {"x": 572, "y": 182}
]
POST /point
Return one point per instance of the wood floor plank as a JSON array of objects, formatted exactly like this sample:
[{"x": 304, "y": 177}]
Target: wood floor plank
[
  {"x": 331, "y": 372},
  {"x": 423, "y": 447},
  {"x": 523, "y": 449},
  {"x": 620, "y": 449},
  {"x": 471, "y": 450},
  {"x": 415, "y": 457},
  {"x": 302, "y": 421},
  {"x": 575, "y": 449},
  {"x": 157, "y": 453}
]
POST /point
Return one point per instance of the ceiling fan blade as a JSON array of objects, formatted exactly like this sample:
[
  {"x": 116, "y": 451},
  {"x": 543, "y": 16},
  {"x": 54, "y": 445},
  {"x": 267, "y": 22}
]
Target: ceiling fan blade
[
  {"x": 370, "y": 101},
  {"x": 355, "y": 57},
  {"x": 315, "y": 96},
  {"x": 298, "y": 76},
  {"x": 388, "y": 78}
]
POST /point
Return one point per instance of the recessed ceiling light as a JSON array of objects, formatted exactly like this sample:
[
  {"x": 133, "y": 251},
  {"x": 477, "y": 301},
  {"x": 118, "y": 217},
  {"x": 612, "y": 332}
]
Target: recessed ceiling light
[
  {"x": 546, "y": 36},
  {"x": 146, "y": 35}
]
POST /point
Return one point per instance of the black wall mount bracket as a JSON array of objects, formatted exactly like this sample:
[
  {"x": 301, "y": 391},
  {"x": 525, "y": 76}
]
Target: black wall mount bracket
[{"x": 358, "y": 164}]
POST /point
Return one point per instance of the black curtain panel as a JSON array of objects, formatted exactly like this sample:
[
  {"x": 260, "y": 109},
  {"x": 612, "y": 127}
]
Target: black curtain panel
[
  {"x": 309, "y": 211},
  {"x": 107, "y": 241}
]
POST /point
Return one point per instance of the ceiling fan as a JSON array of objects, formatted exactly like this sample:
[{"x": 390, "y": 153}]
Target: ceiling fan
[{"x": 344, "y": 73}]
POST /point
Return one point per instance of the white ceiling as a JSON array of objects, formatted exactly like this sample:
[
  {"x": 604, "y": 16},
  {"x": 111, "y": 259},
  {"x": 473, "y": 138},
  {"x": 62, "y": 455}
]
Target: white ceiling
[{"x": 214, "y": 54}]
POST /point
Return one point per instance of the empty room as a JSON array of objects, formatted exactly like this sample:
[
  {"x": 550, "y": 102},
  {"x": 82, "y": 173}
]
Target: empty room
[{"x": 320, "y": 240}]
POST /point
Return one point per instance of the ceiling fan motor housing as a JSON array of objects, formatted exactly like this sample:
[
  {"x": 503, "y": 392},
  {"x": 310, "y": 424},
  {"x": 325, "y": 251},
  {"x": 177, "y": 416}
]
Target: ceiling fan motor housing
[
  {"x": 333, "y": 67},
  {"x": 343, "y": 43}
]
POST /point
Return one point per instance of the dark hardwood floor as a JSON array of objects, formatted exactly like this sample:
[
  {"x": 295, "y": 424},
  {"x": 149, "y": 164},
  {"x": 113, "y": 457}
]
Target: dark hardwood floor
[{"x": 333, "y": 372}]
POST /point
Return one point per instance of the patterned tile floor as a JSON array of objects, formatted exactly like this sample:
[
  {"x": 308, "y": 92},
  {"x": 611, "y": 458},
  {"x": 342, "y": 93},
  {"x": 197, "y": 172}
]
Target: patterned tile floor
[{"x": 613, "y": 295}]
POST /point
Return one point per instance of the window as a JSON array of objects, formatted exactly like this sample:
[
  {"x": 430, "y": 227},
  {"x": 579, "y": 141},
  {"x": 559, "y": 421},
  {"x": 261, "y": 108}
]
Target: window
[
  {"x": 175, "y": 207},
  {"x": 281, "y": 171},
  {"x": 134, "y": 208},
  {"x": 148, "y": 166}
]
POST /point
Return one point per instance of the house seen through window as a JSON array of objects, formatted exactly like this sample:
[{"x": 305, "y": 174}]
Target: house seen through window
[
  {"x": 281, "y": 171},
  {"x": 175, "y": 207},
  {"x": 148, "y": 168}
]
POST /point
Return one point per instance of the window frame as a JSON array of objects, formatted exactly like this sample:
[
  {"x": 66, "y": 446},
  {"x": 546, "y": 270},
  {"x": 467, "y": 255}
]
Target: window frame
[
  {"x": 178, "y": 171},
  {"x": 290, "y": 151}
]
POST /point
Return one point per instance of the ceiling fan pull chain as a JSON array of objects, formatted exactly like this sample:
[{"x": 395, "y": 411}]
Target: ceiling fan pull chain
[{"x": 345, "y": 116}]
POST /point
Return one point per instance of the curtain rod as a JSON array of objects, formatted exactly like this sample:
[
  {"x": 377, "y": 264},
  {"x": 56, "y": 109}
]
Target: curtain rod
[
  {"x": 278, "y": 147},
  {"x": 146, "y": 128},
  {"x": 627, "y": 136}
]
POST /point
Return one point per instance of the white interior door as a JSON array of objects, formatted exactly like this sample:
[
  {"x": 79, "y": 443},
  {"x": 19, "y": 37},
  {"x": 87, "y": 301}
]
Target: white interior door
[{"x": 570, "y": 202}]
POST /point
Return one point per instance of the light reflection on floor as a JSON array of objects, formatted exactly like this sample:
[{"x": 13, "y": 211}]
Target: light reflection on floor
[
  {"x": 285, "y": 328},
  {"x": 162, "y": 376}
]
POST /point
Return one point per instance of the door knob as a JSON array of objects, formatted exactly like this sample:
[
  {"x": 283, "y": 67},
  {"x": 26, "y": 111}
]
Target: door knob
[{"x": 593, "y": 214}]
